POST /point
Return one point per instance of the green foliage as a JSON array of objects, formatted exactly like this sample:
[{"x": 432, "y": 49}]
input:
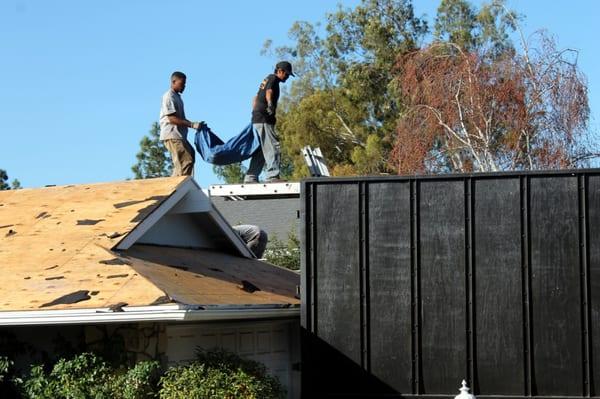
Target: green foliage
[
  {"x": 324, "y": 119},
  {"x": 234, "y": 173},
  {"x": 85, "y": 376},
  {"x": 455, "y": 23},
  {"x": 3, "y": 180},
  {"x": 38, "y": 385},
  {"x": 138, "y": 382},
  {"x": 284, "y": 254},
  {"x": 346, "y": 99},
  {"x": 88, "y": 376},
  {"x": 460, "y": 23},
  {"x": 5, "y": 365},
  {"x": 344, "y": 93},
  {"x": 7, "y": 378},
  {"x": 230, "y": 174},
  {"x": 370, "y": 158},
  {"x": 153, "y": 159},
  {"x": 14, "y": 185},
  {"x": 215, "y": 374},
  {"x": 219, "y": 374}
]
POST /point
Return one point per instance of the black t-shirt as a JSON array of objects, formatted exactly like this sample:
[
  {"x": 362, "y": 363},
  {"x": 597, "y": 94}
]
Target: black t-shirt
[{"x": 259, "y": 113}]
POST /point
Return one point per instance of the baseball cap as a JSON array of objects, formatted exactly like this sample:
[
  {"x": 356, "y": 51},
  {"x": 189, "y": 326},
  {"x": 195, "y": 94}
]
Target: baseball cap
[{"x": 286, "y": 66}]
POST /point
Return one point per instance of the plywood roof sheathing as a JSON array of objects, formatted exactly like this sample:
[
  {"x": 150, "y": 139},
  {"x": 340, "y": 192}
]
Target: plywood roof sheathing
[{"x": 78, "y": 247}]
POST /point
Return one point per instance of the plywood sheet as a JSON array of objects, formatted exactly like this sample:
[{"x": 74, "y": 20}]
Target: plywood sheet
[
  {"x": 55, "y": 242},
  {"x": 56, "y": 253},
  {"x": 207, "y": 277}
]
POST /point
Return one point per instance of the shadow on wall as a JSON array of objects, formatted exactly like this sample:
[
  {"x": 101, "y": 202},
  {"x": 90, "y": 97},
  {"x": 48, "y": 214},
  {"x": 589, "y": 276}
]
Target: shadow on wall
[{"x": 328, "y": 373}]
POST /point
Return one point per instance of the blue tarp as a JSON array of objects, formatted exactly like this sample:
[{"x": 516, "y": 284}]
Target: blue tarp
[{"x": 213, "y": 150}]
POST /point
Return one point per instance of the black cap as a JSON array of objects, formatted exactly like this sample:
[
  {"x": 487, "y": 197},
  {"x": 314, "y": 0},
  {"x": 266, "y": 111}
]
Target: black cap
[{"x": 286, "y": 66}]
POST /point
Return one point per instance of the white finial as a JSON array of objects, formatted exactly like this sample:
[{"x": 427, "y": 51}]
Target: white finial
[{"x": 464, "y": 392}]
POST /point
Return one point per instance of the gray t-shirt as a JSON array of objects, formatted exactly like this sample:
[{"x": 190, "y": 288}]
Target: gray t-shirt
[{"x": 172, "y": 104}]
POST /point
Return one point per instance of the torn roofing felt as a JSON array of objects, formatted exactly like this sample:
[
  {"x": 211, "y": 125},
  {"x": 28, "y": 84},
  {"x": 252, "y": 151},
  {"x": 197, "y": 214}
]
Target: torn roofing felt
[{"x": 92, "y": 246}]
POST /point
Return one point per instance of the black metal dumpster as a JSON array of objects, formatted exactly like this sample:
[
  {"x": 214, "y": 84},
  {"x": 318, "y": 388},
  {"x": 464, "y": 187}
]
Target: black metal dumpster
[{"x": 411, "y": 284}]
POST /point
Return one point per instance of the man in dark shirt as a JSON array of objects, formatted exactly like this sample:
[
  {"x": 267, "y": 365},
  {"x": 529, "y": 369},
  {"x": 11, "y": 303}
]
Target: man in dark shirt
[{"x": 264, "y": 108}]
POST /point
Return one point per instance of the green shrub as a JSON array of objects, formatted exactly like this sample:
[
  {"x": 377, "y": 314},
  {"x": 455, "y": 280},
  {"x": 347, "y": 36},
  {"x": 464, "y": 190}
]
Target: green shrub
[
  {"x": 284, "y": 254},
  {"x": 88, "y": 376},
  {"x": 5, "y": 364},
  {"x": 138, "y": 382},
  {"x": 7, "y": 378},
  {"x": 218, "y": 374},
  {"x": 215, "y": 374},
  {"x": 38, "y": 385}
]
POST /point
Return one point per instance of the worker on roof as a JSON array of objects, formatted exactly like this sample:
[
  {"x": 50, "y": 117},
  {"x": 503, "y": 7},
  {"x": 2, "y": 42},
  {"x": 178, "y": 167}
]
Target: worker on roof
[
  {"x": 254, "y": 237},
  {"x": 174, "y": 127},
  {"x": 264, "y": 107}
]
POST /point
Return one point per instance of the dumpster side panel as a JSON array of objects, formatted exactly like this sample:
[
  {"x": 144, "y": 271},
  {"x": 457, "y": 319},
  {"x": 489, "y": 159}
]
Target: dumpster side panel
[
  {"x": 555, "y": 283},
  {"x": 443, "y": 292},
  {"x": 498, "y": 324},
  {"x": 389, "y": 257}
]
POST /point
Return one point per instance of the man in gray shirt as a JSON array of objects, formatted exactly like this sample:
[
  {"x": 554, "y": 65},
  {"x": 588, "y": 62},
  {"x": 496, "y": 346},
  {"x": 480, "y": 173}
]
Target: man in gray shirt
[{"x": 174, "y": 127}]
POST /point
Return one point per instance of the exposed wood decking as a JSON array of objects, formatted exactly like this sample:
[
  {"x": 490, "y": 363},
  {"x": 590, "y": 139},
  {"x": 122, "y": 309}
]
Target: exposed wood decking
[
  {"x": 209, "y": 277},
  {"x": 56, "y": 252}
]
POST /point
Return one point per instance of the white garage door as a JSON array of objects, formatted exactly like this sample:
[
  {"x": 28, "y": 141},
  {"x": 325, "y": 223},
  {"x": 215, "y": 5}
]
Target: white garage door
[{"x": 269, "y": 342}]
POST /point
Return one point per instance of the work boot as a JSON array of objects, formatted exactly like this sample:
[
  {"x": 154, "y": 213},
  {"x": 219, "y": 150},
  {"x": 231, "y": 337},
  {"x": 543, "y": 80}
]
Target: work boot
[{"x": 249, "y": 179}]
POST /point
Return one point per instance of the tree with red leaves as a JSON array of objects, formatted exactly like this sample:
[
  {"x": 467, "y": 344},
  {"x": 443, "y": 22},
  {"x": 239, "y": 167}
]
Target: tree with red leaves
[{"x": 477, "y": 110}]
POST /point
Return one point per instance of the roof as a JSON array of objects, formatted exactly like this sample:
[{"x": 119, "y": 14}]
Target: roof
[
  {"x": 279, "y": 217},
  {"x": 132, "y": 243}
]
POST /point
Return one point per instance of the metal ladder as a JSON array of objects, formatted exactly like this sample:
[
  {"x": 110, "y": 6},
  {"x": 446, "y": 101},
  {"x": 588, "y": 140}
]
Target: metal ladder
[{"x": 315, "y": 161}]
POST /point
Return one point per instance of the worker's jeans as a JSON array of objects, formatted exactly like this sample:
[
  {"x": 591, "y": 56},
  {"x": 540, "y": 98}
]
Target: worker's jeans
[
  {"x": 255, "y": 238},
  {"x": 269, "y": 155}
]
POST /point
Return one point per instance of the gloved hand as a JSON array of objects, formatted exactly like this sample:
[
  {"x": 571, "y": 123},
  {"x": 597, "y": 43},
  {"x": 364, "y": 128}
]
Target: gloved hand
[
  {"x": 270, "y": 109},
  {"x": 197, "y": 125}
]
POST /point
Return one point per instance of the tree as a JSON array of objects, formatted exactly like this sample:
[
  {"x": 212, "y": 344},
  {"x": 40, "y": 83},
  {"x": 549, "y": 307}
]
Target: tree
[
  {"x": 481, "y": 111},
  {"x": 231, "y": 174},
  {"x": 320, "y": 122},
  {"x": 455, "y": 23},
  {"x": 344, "y": 96},
  {"x": 234, "y": 173},
  {"x": 3, "y": 180},
  {"x": 470, "y": 29},
  {"x": 153, "y": 159},
  {"x": 14, "y": 185}
]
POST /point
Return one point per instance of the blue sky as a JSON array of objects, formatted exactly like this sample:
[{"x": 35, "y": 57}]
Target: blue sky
[{"x": 82, "y": 80}]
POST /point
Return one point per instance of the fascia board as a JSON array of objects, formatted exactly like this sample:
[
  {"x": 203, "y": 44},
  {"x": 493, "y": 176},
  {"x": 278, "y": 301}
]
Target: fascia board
[{"x": 141, "y": 314}]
